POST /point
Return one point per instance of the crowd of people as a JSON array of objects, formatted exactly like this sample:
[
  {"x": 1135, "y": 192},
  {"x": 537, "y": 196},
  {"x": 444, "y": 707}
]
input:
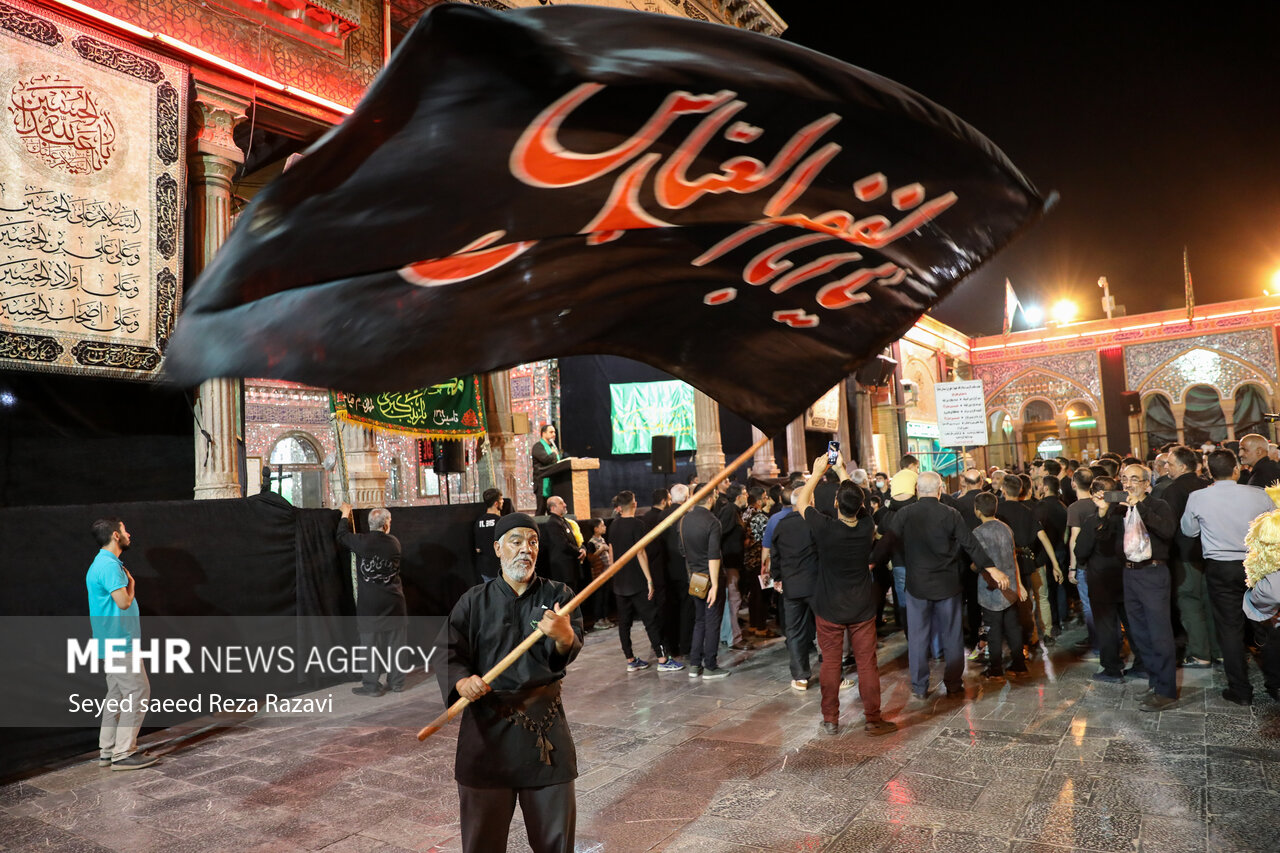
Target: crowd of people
[{"x": 992, "y": 572}]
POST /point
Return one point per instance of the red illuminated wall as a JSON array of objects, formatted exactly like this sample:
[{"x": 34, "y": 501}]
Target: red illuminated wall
[{"x": 258, "y": 47}]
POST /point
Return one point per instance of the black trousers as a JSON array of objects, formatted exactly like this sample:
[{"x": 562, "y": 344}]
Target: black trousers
[
  {"x": 550, "y": 817},
  {"x": 387, "y": 642},
  {"x": 801, "y": 631},
  {"x": 1146, "y": 602},
  {"x": 974, "y": 613},
  {"x": 1108, "y": 617},
  {"x": 638, "y": 604},
  {"x": 1004, "y": 626},
  {"x": 1225, "y": 579},
  {"x": 677, "y": 616}
]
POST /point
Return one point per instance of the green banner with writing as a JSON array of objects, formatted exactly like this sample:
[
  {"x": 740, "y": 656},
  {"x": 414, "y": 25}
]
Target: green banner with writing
[
  {"x": 452, "y": 409},
  {"x": 641, "y": 410}
]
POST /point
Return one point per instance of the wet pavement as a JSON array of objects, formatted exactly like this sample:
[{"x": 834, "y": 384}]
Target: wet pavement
[{"x": 1050, "y": 763}]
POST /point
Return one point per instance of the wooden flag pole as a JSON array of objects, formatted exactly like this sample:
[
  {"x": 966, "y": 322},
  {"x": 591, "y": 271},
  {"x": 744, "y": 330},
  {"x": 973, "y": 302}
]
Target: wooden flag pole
[{"x": 501, "y": 666}]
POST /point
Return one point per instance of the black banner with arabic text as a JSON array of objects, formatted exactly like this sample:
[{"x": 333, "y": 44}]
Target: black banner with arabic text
[{"x": 572, "y": 180}]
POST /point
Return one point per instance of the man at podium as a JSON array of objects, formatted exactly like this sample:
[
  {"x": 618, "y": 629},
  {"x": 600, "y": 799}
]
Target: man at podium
[{"x": 545, "y": 454}]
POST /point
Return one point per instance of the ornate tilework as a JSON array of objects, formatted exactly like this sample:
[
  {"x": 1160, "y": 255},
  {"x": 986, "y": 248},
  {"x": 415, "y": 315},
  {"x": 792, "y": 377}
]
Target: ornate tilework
[
  {"x": 1080, "y": 367},
  {"x": 1253, "y": 347},
  {"x": 1054, "y": 390},
  {"x": 1205, "y": 367}
]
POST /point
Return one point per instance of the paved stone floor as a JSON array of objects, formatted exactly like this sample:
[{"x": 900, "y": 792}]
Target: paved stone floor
[{"x": 669, "y": 763}]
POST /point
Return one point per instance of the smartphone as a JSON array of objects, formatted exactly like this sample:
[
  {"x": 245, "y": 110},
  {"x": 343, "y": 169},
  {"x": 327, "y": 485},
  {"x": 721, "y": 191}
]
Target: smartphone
[
  {"x": 833, "y": 452},
  {"x": 1115, "y": 497}
]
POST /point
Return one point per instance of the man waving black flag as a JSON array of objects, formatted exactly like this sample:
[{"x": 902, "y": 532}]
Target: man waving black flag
[{"x": 570, "y": 180}]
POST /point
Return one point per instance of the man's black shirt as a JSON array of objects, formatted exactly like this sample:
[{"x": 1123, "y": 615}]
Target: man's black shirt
[
  {"x": 1022, "y": 521},
  {"x": 1175, "y": 495},
  {"x": 845, "y": 594},
  {"x": 1263, "y": 473},
  {"x": 623, "y": 533},
  {"x": 964, "y": 505},
  {"x": 700, "y": 533},
  {"x": 486, "y": 562},
  {"x": 732, "y": 545},
  {"x": 793, "y": 556},
  {"x": 1051, "y": 512},
  {"x": 932, "y": 536}
]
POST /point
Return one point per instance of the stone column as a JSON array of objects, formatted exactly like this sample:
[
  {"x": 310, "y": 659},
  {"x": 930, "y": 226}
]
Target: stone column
[
  {"x": 366, "y": 481},
  {"x": 502, "y": 442},
  {"x": 706, "y": 416},
  {"x": 763, "y": 463},
  {"x": 212, "y": 160},
  {"x": 1179, "y": 415},
  {"x": 795, "y": 446},
  {"x": 1017, "y": 442},
  {"x": 844, "y": 432},
  {"x": 1229, "y": 412},
  {"x": 864, "y": 428}
]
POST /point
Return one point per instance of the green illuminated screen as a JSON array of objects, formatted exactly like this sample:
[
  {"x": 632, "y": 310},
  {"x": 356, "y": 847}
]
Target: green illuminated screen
[{"x": 641, "y": 410}]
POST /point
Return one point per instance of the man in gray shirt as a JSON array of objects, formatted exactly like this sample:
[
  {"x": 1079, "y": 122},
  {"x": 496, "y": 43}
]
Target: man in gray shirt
[{"x": 1220, "y": 516}]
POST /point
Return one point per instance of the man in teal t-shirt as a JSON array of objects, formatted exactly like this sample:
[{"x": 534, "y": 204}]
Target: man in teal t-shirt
[{"x": 113, "y": 613}]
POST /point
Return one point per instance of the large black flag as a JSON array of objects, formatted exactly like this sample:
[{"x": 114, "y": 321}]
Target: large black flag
[{"x": 746, "y": 214}]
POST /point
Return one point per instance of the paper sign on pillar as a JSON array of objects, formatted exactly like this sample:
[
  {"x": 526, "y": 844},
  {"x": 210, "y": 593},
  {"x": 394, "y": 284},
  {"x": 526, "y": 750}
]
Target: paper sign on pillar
[{"x": 962, "y": 413}]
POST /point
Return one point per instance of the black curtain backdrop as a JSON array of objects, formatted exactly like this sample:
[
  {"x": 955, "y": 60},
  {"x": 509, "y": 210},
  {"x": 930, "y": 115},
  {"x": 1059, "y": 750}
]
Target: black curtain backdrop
[
  {"x": 1162, "y": 427},
  {"x": 1203, "y": 420},
  {"x": 1249, "y": 409},
  {"x": 258, "y": 564},
  {"x": 71, "y": 440},
  {"x": 586, "y": 431}
]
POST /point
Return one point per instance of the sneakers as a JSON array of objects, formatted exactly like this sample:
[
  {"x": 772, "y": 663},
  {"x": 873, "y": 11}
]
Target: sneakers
[
  {"x": 604, "y": 625},
  {"x": 1108, "y": 677},
  {"x": 695, "y": 672},
  {"x": 880, "y": 727},
  {"x": 1156, "y": 702},
  {"x": 635, "y": 665},
  {"x": 134, "y": 762},
  {"x": 1136, "y": 672},
  {"x": 829, "y": 728},
  {"x": 670, "y": 665},
  {"x": 104, "y": 758},
  {"x": 1192, "y": 662},
  {"x": 978, "y": 653},
  {"x": 799, "y": 684},
  {"x": 715, "y": 672},
  {"x": 367, "y": 691},
  {"x": 845, "y": 684}
]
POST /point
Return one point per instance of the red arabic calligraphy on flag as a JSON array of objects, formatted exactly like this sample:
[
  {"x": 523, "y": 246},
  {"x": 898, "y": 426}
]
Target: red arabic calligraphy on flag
[{"x": 540, "y": 160}]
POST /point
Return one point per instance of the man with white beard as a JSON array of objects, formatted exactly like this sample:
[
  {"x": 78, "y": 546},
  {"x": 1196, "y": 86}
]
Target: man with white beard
[{"x": 514, "y": 742}]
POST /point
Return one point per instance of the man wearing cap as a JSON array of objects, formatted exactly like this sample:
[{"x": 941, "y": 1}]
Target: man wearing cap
[{"x": 514, "y": 743}]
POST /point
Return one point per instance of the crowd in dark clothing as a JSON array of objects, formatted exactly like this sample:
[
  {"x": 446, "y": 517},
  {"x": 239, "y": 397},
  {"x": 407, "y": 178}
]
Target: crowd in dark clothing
[{"x": 994, "y": 571}]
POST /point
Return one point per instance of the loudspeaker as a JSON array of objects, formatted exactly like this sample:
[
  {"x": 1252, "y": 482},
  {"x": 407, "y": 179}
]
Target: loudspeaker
[
  {"x": 662, "y": 454},
  {"x": 1132, "y": 402},
  {"x": 876, "y": 373},
  {"x": 448, "y": 458}
]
